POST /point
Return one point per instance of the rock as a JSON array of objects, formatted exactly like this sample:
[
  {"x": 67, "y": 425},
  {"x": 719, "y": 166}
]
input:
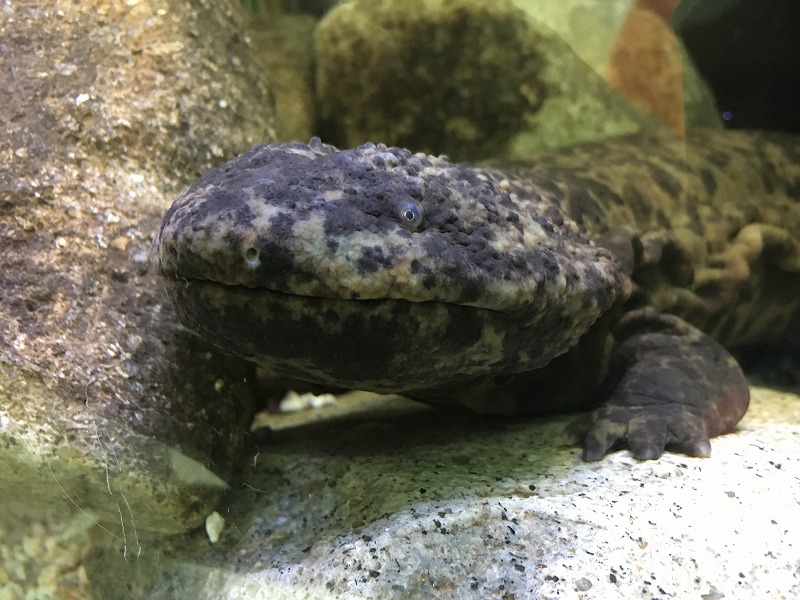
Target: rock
[
  {"x": 646, "y": 63},
  {"x": 589, "y": 26},
  {"x": 650, "y": 65},
  {"x": 43, "y": 557},
  {"x": 423, "y": 505},
  {"x": 110, "y": 108},
  {"x": 270, "y": 9},
  {"x": 632, "y": 45},
  {"x": 470, "y": 78},
  {"x": 285, "y": 44}
]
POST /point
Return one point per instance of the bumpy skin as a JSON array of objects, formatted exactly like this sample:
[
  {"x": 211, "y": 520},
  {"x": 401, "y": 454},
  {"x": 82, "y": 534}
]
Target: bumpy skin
[{"x": 379, "y": 269}]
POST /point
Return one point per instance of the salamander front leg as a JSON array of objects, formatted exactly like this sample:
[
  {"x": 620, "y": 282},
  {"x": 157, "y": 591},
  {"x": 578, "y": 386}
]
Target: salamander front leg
[{"x": 669, "y": 385}]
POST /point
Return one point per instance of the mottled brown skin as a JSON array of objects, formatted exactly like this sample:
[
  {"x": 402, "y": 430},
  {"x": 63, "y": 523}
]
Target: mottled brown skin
[
  {"x": 714, "y": 223},
  {"x": 534, "y": 288}
]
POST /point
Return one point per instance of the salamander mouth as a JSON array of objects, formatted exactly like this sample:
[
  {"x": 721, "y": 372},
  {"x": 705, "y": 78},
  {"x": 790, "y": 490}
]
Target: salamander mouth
[{"x": 378, "y": 345}]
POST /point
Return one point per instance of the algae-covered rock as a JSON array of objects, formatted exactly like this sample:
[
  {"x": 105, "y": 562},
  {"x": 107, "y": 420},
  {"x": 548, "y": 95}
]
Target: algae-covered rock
[
  {"x": 632, "y": 45},
  {"x": 471, "y": 78}
]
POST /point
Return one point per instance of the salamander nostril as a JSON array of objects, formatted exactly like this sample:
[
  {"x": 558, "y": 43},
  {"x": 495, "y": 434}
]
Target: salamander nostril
[{"x": 251, "y": 256}]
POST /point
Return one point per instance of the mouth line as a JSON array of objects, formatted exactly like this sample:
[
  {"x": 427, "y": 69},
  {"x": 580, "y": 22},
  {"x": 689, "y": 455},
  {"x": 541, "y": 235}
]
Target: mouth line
[
  {"x": 261, "y": 292},
  {"x": 255, "y": 289}
]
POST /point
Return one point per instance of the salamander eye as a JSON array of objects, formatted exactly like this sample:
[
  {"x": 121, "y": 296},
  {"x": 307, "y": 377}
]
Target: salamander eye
[{"x": 410, "y": 215}]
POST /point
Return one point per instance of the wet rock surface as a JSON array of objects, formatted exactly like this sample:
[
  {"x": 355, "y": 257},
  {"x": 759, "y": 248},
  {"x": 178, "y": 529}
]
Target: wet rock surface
[{"x": 111, "y": 108}]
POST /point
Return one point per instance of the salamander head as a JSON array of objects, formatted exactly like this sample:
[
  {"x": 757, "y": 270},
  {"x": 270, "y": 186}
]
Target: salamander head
[{"x": 335, "y": 241}]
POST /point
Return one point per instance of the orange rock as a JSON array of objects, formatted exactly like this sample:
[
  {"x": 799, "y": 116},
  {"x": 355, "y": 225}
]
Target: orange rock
[{"x": 645, "y": 62}]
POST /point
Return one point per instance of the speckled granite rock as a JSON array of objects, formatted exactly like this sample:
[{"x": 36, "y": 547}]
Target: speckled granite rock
[
  {"x": 471, "y": 78},
  {"x": 420, "y": 506},
  {"x": 110, "y": 107}
]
